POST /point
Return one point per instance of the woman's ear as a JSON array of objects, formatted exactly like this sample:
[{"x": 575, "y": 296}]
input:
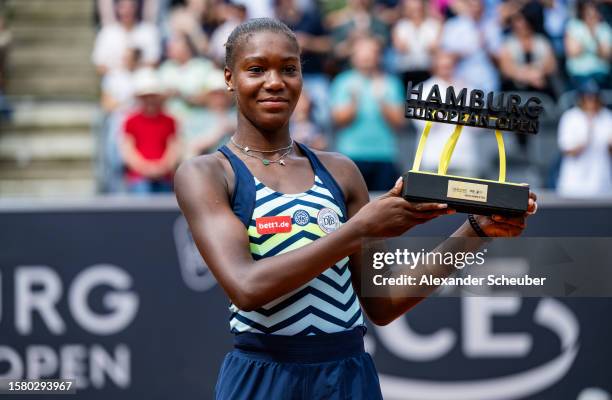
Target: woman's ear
[{"x": 228, "y": 79}]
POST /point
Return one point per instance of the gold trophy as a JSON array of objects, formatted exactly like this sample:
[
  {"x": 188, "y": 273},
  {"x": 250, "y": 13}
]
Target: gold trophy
[{"x": 499, "y": 112}]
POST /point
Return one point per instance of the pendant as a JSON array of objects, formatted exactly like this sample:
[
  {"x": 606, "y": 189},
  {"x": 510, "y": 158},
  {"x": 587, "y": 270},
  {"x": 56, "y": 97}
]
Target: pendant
[
  {"x": 246, "y": 149},
  {"x": 265, "y": 162},
  {"x": 281, "y": 162}
]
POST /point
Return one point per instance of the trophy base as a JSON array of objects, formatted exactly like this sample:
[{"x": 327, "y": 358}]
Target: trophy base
[{"x": 466, "y": 195}]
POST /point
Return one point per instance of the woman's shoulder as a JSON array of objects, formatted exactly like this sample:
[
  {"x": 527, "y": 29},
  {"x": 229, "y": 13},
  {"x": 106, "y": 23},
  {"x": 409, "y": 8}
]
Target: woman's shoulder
[
  {"x": 209, "y": 170},
  {"x": 342, "y": 168},
  {"x": 332, "y": 159}
]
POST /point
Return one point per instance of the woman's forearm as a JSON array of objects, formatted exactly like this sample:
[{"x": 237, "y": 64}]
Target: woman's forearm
[
  {"x": 270, "y": 278},
  {"x": 399, "y": 299}
]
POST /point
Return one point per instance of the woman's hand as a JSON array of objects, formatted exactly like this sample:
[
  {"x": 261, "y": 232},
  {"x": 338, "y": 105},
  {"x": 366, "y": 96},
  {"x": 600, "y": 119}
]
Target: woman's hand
[
  {"x": 500, "y": 226},
  {"x": 391, "y": 215}
]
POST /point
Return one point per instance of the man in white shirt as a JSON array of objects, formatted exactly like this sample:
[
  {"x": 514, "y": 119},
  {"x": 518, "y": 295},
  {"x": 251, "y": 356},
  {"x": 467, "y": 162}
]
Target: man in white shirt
[
  {"x": 113, "y": 40},
  {"x": 585, "y": 139}
]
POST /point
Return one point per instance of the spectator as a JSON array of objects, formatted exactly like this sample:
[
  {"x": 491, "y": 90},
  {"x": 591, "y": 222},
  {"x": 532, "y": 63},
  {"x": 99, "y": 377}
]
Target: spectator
[
  {"x": 414, "y": 38},
  {"x": 302, "y": 126},
  {"x": 533, "y": 10},
  {"x": 585, "y": 139},
  {"x": 188, "y": 20},
  {"x": 354, "y": 21},
  {"x": 387, "y": 11},
  {"x": 367, "y": 107},
  {"x": 184, "y": 77},
  {"x": 256, "y": 9},
  {"x": 555, "y": 21},
  {"x": 114, "y": 39},
  {"x": 149, "y": 145},
  {"x": 118, "y": 84},
  {"x": 588, "y": 45},
  {"x": 216, "y": 123},
  {"x": 117, "y": 100},
  {"x": 107, "y": 15},
  {"x": 232, "y": 16},
  {"x": 465, "y": 157},
  {"x": 473, "y": 40},
  {"x": 315, "y": 45},
  {"x": 527, "y": 59}
]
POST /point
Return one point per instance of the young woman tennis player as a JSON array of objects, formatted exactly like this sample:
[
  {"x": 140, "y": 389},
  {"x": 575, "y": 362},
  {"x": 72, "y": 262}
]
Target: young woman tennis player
[{"x": 280, "y": 227}]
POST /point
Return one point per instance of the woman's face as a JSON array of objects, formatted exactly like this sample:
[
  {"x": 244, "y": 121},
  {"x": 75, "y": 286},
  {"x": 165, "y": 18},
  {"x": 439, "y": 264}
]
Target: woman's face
[
  {"x": 591, "y": 15},
  {"x": 266, "y": 78},
  {"x": 589, "y": 103},
  {"x": 178, "y": 50},
  {"x": 414, "y": 8},
  {"x": 520, "y": 27}
]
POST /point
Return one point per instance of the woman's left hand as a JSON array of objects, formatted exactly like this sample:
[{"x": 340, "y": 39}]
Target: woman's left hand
[{"x": 502, "y": 226}]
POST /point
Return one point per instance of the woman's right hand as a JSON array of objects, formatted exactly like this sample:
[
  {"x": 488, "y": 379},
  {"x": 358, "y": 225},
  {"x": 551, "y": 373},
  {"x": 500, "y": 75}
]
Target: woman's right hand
[{"x": 391, "y": 215}]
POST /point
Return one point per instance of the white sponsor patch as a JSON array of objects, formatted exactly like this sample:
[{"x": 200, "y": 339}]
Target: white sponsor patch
[{"x": 328, "y": 220}]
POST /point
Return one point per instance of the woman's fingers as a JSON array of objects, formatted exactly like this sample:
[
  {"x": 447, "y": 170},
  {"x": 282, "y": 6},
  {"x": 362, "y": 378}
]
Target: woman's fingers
[
  {"x": 532, "y": 207},
  {"x": 426, "y": 206},
  {"x": 425, "y": 215}
]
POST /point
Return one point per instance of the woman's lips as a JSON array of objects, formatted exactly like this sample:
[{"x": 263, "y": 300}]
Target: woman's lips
[{"x": 274, "y": 102}]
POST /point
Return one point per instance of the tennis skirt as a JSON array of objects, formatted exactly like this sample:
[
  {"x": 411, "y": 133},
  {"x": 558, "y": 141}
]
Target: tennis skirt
[{"x": 328, "y": 366}]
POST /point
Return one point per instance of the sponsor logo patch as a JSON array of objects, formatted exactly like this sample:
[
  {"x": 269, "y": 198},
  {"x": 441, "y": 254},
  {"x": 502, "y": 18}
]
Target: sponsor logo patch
[
  {"x": 267, "y": 225},
  {"x": 328, "y": 220},
  {"x": 301, "y": 217}
]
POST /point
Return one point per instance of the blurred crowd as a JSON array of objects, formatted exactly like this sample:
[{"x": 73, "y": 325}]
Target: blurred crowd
[{"x": 162, "y": 88}]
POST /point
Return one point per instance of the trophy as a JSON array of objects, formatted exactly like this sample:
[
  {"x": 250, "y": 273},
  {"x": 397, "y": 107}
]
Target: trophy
[{"x": 501, "y": 112}]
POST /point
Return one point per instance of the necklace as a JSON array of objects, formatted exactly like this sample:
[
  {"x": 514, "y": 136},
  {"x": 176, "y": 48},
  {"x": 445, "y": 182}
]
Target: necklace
[
  {"x": 265, "y": 161},
  {"x": 247, "y": 148}
]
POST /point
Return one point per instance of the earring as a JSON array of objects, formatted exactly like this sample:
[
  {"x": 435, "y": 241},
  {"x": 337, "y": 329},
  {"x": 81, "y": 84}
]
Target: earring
[{"x": 229, "y": 89}]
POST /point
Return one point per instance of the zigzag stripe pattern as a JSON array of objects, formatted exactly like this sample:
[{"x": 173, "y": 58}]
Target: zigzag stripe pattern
[{"x": 328, "y": 302}]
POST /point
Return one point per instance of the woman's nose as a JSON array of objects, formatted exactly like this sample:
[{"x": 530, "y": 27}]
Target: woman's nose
[{"x": 274, "y": 80}]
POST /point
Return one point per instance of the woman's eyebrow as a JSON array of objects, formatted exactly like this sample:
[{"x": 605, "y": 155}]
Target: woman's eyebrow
[
  {"x": 264, "y": 59},
  {"x": 253, "y": 58}
]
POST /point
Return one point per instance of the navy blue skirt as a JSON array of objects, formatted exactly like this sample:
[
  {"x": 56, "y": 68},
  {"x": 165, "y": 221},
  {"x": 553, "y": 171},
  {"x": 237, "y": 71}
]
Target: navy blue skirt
[{"x": 330, "y": 366}]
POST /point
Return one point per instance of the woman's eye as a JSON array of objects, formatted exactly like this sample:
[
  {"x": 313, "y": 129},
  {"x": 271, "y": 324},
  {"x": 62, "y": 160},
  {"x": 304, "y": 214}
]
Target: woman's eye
[
  {"x": 256, "y": 70},
  {"x": 291, "y": 69}
]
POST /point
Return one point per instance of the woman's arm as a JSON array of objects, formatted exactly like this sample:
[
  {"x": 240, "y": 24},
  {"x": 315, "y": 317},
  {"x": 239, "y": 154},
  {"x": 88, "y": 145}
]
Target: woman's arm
[
  {"x": 398, "y": 299},
  {"x": 201, "y": 186},
  {"x": 345, "y": 114},
  {"x": 572, "y": 47}
]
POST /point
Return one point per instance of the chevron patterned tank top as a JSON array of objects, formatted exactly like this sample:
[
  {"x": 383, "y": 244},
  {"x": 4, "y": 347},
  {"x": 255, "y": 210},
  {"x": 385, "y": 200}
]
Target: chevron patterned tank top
[{"x": 277, "y": 223}]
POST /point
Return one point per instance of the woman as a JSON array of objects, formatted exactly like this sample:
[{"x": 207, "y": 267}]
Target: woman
[
  {"x": 367, "y": 108},
  {"x": 415, "y": 37},
  {"x": 270, "y": 217},
  {"x": 184, "y": 77},
  {"x": 527, "y": 60},
  {"x": 588, "y": 45},
  {"x": 585, "y": 139}
]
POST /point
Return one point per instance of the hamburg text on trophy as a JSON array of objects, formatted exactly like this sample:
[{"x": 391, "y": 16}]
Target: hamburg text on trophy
[{"x": 506, "y": 112}]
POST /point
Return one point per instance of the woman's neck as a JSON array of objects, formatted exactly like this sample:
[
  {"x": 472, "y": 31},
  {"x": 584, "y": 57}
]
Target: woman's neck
[{"x": 249, "y": 135}]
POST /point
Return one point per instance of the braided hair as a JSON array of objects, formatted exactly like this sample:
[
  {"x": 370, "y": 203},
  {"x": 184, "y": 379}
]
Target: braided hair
[{"x": 245, "y": 30}]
